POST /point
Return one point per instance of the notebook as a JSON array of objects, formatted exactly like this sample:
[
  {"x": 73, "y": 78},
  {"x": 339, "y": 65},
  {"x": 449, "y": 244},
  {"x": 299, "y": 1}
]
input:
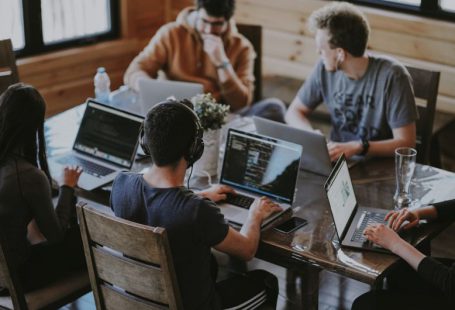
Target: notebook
[
  {"x": 152, "y": 91},
  {"x": 257, "y": 166},
  {"x": 350, "y": 219},
  {"x": 315, "y": 157},
  {"x": 105, "y": 144}
]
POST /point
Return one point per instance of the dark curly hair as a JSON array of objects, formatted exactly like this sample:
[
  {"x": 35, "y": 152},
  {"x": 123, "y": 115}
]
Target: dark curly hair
[
  {"x": 347, "y": 26},
  {"x": 169, "y": 131},
  {"x": 217, "y": 8}
]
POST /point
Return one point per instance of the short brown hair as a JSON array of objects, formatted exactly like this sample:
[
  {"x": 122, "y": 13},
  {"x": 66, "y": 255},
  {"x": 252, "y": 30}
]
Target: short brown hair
[{"x": 347, "y": 26}]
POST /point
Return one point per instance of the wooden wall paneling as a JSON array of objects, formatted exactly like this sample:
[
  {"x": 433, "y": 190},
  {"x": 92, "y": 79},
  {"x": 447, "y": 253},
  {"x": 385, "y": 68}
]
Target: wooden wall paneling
[
  {"x": 65, "y": 78},
  {"x": 432, "y": 50},
  {"x": 142, "y": 17},
  {"x": 289, "y": 46},
  {"x": 177, "y": 6}
]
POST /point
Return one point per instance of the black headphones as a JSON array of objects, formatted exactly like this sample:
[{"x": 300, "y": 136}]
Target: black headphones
[{"x": 196, "y": 148}]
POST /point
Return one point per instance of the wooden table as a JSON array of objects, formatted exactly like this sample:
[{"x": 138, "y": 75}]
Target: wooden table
[{"x": 313, "y": 247}]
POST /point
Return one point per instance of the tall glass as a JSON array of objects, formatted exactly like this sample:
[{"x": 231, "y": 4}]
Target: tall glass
[{"x": 405, "y": 162}]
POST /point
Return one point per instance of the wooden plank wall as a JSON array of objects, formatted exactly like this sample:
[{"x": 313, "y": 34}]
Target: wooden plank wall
[
  {"x": 65, "y": 77},
  {"x": 289, "y": 49}
]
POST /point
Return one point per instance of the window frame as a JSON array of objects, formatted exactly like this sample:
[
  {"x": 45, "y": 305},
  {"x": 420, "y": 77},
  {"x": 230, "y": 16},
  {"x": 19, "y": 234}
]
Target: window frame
[
  {"x": 427, "y": 8},
  {"x": 33, "y": 34}
]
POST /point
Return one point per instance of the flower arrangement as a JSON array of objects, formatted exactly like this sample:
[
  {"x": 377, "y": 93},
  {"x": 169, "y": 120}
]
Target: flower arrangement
[{"x": 212, "y": 115}]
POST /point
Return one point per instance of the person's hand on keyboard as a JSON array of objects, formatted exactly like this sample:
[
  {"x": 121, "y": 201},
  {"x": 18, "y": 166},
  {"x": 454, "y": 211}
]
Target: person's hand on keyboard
[
  {"x": 70, "y": 176},
  {"x": 396, "y": 219},
  {"x": 383, "y": 236},
  {"x": 262, "y": 208},
  {"x": 216, "y": 192}
]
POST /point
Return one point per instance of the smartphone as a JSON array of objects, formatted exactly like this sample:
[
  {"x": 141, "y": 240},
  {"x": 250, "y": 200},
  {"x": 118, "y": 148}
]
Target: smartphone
[{"x": 291, "y": 225}]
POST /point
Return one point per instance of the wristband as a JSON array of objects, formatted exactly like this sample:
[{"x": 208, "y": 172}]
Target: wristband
[
  {"x": 365, "y": 146},
  {"x": 223, "y": 65}
]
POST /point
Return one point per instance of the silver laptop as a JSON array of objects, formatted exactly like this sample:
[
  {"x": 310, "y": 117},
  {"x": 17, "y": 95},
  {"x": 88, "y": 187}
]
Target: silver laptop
[
  {"x": 105, "y": 144},
  {"x": 152, "y": 91},
  {"x": 315, "y": 157},
  {"x": 258, "y": 166},
  {"x": 350, "y": 219}
]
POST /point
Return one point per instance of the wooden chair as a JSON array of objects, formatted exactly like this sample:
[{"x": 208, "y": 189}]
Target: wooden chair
[
  {"x": 425, "y": 84},
  {"x": 130, "y": 265},
  {"x": 8, "y": 68},
  {"x": 254, "y": 34},
  {"x": 52, "y": 296}
]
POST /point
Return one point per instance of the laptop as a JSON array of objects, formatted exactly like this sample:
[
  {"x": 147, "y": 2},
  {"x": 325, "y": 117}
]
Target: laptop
[
  {"x": 315, "y": 157},
  {"x": 350, "y": 219},
  {"x": 105, "y": 144},
  {"x": 152, "y": 91},
  {"x": 257, "y": 166}
]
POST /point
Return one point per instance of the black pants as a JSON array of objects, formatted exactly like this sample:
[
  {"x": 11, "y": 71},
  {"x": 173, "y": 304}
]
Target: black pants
[
  {"x": 246, "y": 291},
  {"x": 49, "y": 262},
  {"x": 406, "y": 290}
]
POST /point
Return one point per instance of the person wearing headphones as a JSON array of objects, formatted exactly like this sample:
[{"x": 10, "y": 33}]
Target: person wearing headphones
[
  {"x": 44, "y": 243},
  {"x": 172, "y": 137},
  {"x": 370, "y": 98}
]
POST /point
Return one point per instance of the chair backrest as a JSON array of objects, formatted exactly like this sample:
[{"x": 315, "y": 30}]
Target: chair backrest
[
  {"x": 254, "y": 34},
  {"x": 8, "y": 68},
  {"x": 425, "y": 84},
  {"x": 51, "y": 296},
  {"x": 130, "y": 265}
]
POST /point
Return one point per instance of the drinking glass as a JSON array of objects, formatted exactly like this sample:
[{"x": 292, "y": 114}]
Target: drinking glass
[{"x": 405, "y": 161}]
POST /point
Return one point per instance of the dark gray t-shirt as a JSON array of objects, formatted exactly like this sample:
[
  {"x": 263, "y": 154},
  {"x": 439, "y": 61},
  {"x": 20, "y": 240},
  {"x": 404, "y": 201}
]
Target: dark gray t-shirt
[
  {"x": 193, "y": 225},
  {"x": 370, "y": 107}
]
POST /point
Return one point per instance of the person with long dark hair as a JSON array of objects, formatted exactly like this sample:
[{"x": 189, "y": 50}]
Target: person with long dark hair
[{"x": 27, "y": 213}]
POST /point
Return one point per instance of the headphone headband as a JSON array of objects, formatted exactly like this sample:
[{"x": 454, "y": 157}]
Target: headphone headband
[{"x": 196, "y": 147}]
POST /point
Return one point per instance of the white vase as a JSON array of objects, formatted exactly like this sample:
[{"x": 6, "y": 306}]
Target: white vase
[{"x": 208, "y": 163}]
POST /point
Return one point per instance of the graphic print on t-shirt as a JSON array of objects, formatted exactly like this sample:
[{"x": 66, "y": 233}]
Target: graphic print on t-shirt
[{"x": 349, "y": 110}]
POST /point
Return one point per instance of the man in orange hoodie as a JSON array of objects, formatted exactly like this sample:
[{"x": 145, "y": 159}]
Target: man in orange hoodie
[{"x": 204, "y": 46}]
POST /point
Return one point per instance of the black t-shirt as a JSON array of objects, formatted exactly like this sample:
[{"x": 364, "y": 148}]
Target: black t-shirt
[{"x": 193, "y": 225}]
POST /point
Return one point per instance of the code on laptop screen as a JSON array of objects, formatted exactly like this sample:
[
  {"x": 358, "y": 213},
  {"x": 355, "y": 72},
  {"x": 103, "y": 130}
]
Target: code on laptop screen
[
  {"x": 108, "y": 134},
  {"x": 263, "y": 165}
]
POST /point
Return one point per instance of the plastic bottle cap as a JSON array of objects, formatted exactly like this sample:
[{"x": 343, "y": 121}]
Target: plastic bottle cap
[{"x": 101, "y": 70}]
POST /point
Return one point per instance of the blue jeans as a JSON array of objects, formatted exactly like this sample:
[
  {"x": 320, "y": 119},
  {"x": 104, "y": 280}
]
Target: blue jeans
[{"x": 269, "y": 108}]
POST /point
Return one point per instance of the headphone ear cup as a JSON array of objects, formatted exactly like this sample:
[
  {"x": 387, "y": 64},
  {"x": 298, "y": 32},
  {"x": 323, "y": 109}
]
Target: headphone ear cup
[
  {"x": 142, "y": 143},
  {"x": 197, "y": 147}
]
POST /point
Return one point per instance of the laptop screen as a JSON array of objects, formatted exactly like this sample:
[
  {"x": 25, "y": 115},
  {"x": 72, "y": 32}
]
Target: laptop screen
[
  {"x": 261, "y": 165},
  {"x": 108, "y": 134},
  {"x": 341, "y": 195}
]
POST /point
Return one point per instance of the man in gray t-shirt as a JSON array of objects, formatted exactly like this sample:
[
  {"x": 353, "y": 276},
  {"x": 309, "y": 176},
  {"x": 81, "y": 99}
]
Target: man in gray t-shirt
[{"x": 370, "y": 98}]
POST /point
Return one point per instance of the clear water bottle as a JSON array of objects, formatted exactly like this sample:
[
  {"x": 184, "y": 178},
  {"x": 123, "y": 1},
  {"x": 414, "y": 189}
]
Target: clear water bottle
[{"x": 102, "y": 85}]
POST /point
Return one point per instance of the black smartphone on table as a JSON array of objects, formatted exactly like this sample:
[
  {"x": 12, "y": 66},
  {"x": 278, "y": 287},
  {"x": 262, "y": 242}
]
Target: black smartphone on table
[{"x": 291, "y": 225}]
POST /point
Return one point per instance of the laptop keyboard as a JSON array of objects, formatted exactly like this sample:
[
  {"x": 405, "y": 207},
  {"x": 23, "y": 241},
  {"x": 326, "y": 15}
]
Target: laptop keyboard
[
  {"x": 88, "y": 166},
  {"x": 239, "y": 200},
  {"x": 367, "y": 218}
]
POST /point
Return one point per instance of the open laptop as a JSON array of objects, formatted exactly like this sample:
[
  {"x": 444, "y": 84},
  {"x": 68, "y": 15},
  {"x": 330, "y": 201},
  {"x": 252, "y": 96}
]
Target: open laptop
[
  {"x": 105, "y": 144},
  {"x": 350, "y": 219},
  {"x": 315, "y": 154},
  {"x": 153, "y": 91},
  {"x": 258, "y": 166}
]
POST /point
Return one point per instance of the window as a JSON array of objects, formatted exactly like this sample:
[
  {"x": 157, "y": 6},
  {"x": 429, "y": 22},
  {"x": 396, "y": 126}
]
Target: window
[
  {"x": 12, "y": 22},
  {"x": 439, "y": 9},
  {"x": 36, "y": 26}
]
